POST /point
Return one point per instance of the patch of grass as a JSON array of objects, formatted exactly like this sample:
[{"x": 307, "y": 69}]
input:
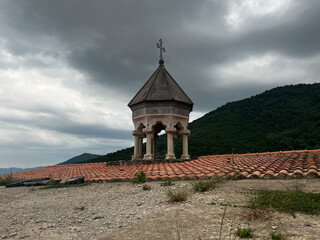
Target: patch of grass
[
  {"x": 203, "y": 186},
  {"x": 59, "y": 185},
  {"x": 286, "y": 201},
  {"x": 276, "y": 236},
  {"x": 206, "y": 185},
  {"x": 244, "y": 232},
  {"x": 224, "y": 204},
  {"x": 167, "y": 183},
  {"x": 177, "y": 195},
  {"x": 139, "y": 177},
  {"x": 146, "y": 187},
  {"x": 82, "y": 208},
  {"x": 213, "y": 203}
]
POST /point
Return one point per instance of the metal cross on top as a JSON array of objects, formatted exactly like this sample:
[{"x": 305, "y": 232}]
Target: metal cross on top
[{"x": 162, "y": 49}]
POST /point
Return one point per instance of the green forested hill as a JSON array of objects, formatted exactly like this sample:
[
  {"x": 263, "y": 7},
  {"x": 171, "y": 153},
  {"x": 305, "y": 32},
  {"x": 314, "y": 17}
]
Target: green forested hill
[
  {"x": 80, "y": 158},
  {"x": 284, "y": 118}
]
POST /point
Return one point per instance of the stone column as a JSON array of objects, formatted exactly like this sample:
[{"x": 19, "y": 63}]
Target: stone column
[
  {"x": 170, "y": 148},
  {"x": 185, "y": 134},
  {"x": 140, "y": 153},
  {"x": 148, "y": 155},
  {"x": 136, "y": 152},
  {"x": 155, "y": 137},
  {"x": 174, "y": 140}
]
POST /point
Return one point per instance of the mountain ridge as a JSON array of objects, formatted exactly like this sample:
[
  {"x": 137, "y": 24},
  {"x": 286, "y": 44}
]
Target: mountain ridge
[
  {"x": 15, "y": 170},
  {"x": 80, "y": 158}
]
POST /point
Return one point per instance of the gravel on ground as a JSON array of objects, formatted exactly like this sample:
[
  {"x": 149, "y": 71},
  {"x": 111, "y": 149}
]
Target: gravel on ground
[{"x": 125, "y": 211}]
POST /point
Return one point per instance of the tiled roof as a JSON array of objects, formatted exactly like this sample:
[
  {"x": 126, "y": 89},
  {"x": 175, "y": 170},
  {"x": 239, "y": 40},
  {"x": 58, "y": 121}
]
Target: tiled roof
[{"x": 259, "y": 165}]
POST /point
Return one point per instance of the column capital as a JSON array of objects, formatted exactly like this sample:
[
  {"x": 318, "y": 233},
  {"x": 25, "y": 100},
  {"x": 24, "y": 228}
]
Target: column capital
[
  {"x": 184, "y": 132},
  {"x": 137, "y": 133},
  {"x": 148, "y": 130},
  {"x": 170, "y": 129}
]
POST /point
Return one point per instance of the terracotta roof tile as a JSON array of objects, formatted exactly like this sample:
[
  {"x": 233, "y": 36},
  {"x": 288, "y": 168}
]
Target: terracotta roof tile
[{"x": 253, "y": 165}]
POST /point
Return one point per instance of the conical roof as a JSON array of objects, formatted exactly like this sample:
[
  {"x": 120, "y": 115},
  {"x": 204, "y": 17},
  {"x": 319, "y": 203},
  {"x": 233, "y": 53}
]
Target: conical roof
[{"x": 160, "y": 87}]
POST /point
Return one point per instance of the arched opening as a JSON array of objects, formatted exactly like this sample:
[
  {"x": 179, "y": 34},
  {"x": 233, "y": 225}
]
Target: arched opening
[
  {"x": 178, "y": 139},
  {"x": 158, "y": 128},
  {"x": 179, "y": 126},
  {"x": 175, "y": 141}
]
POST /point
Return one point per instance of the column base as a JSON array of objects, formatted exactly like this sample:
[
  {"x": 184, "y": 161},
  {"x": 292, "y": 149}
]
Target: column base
[
  {"x": 136, "y": 158},
  {"x": 170, "y": 157},
  {"x": 148, "y": 157},
  {"x": 185, "y": 157}
]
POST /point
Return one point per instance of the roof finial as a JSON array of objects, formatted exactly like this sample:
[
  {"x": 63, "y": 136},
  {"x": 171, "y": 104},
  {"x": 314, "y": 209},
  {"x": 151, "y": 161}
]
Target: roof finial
[{"x": 162, "y": 49}]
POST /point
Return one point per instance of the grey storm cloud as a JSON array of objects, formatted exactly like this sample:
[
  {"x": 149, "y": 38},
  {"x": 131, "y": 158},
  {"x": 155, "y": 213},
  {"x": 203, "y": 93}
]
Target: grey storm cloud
[
  {"x": 114, "y": 41},
  {"x": 70, "y": 127},
  {"x": 112, "y": 44}
]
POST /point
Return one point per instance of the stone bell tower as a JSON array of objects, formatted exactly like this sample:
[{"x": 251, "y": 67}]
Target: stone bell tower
[{"x": 160, "y": 104}]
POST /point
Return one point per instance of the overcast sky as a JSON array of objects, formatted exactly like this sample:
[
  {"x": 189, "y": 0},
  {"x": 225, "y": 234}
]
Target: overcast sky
[{"x": 69, "y": 68}]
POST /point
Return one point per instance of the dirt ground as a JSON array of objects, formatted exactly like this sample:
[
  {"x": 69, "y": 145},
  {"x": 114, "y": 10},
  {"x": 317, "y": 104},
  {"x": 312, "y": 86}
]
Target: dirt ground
[{"x": 125, "y": 211}]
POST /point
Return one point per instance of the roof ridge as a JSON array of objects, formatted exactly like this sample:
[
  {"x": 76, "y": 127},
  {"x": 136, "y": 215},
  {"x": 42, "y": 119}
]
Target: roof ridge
[
  {"x": 170, "y": 92},
  {"x": 154, "y": 79},
  {"x": 177, "y": 85}
]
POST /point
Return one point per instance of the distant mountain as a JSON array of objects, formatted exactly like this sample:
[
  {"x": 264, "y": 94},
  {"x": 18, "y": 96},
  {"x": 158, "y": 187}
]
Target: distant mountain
[
  {"x": 283, "y": 118},
  {"x": 77, "y": 159},
  {"x": 15, "y": 170},
  {"x": 124, "y": 154},
  {"x": 80, "y": 158}
]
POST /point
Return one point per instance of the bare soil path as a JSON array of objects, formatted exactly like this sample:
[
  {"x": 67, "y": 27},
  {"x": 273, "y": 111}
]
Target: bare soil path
[{"x": 125, "y": 211}]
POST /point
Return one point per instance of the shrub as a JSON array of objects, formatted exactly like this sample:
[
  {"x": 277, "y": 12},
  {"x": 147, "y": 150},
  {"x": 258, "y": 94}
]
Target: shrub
[
  {"x": 146, "y": 187},
  {"x": 206, "y": 185},
  {"x": 286, "y": 201},
  {"x": 5, "y": 180},
  {"x": 244, "y": 232},
  {"x": 203, "y": 186},
  {"x": 167, "y": 183},
  {"x": 276, "y": 236},
  {"x": 139, "y": 177},
  {"x": 178, "y": 195}
]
